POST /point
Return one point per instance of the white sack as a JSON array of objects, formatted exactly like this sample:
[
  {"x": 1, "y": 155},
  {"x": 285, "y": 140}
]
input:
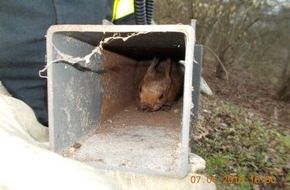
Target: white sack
[{"x": 25, "y": 162}]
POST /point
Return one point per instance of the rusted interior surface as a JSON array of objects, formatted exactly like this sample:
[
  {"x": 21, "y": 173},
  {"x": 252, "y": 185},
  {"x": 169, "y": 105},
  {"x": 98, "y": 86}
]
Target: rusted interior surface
[
  {"x": 119, "y": 72},
  {"x": 120, "y": 136},
  {"x": 127, "y": 138}
]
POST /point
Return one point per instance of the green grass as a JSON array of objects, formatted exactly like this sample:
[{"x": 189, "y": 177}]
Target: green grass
[{"x": 242, "y": 145}]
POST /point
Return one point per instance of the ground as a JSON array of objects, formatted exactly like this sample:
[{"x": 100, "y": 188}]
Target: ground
[
  {"x": 243, "y": 132},
  {"x": 249, "y": 91}
]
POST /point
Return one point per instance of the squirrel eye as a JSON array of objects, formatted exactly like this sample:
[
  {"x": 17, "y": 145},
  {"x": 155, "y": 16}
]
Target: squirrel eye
[
  {"x": 161, "y": 96},
  {"x": 140, "y": 89}
]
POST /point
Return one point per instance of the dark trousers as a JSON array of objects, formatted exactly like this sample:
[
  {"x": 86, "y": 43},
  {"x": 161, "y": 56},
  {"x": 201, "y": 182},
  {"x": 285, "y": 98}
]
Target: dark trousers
[{"x": 23, "y": 25}]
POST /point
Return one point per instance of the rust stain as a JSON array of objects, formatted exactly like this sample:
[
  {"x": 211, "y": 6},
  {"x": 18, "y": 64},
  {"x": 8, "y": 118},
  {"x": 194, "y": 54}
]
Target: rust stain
[{"x": 118, "y": 83}]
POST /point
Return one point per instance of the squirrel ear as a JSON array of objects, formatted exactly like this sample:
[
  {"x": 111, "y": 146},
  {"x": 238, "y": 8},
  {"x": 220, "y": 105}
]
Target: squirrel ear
[
  {"x": 167, "y": 67},
  {"x": 152, "y": 67}
]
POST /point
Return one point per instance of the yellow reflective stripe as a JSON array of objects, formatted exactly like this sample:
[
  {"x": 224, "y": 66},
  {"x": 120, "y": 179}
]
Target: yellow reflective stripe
[{"x": 122, "y": 8}]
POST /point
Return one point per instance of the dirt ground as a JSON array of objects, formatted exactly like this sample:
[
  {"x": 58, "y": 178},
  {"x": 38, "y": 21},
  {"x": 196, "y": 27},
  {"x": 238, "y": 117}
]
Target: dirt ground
[
  {"x": 249, "y": 91},
  {"x": 243, "y": 130}
]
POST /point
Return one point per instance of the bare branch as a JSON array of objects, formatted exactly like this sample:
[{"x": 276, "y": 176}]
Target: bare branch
[{"x": 220, "y": 62}]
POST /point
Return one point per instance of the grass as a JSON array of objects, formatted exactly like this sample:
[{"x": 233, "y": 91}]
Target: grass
[{"x": 240, "y": 145}]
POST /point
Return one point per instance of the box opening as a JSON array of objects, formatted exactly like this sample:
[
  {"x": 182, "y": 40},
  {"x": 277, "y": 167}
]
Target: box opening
[{"x": 92, "y": 104}]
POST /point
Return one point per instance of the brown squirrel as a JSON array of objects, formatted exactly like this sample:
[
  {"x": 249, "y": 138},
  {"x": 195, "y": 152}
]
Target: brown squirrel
[{"x": 161, "y": 85}]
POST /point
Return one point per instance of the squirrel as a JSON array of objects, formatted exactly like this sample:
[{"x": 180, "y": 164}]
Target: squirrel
[{"x": 161, "y": 85}]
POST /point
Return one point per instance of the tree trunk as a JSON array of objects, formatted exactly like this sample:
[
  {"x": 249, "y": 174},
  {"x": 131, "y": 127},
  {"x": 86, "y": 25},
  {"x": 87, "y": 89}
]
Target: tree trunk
[
  {"x": 220, "y": 72},
  {"x": 283, "y": 92},
  {"x": 284, "y": 89}
]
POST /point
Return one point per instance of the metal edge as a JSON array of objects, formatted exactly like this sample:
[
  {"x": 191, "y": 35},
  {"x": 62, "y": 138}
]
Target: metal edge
[
  {"x": 49, "y": 55},
  {"x": 187, "y": 97}
]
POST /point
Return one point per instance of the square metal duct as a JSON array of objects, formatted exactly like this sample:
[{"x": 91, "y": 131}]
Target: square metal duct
[{"x": 92, "y": 75}]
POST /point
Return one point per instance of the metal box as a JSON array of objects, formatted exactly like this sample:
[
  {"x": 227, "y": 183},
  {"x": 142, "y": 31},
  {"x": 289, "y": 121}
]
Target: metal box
[{"x": 92, "y": 73}]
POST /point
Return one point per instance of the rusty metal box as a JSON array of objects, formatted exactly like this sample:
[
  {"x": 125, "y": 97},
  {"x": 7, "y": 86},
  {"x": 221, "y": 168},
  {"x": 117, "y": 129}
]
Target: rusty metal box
[{"x": 92, "y": 73}]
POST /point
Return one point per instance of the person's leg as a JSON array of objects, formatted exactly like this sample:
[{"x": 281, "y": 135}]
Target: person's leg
[
  {"x": 22, "y": 50},
  {"x": 23, "y": 46}
]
